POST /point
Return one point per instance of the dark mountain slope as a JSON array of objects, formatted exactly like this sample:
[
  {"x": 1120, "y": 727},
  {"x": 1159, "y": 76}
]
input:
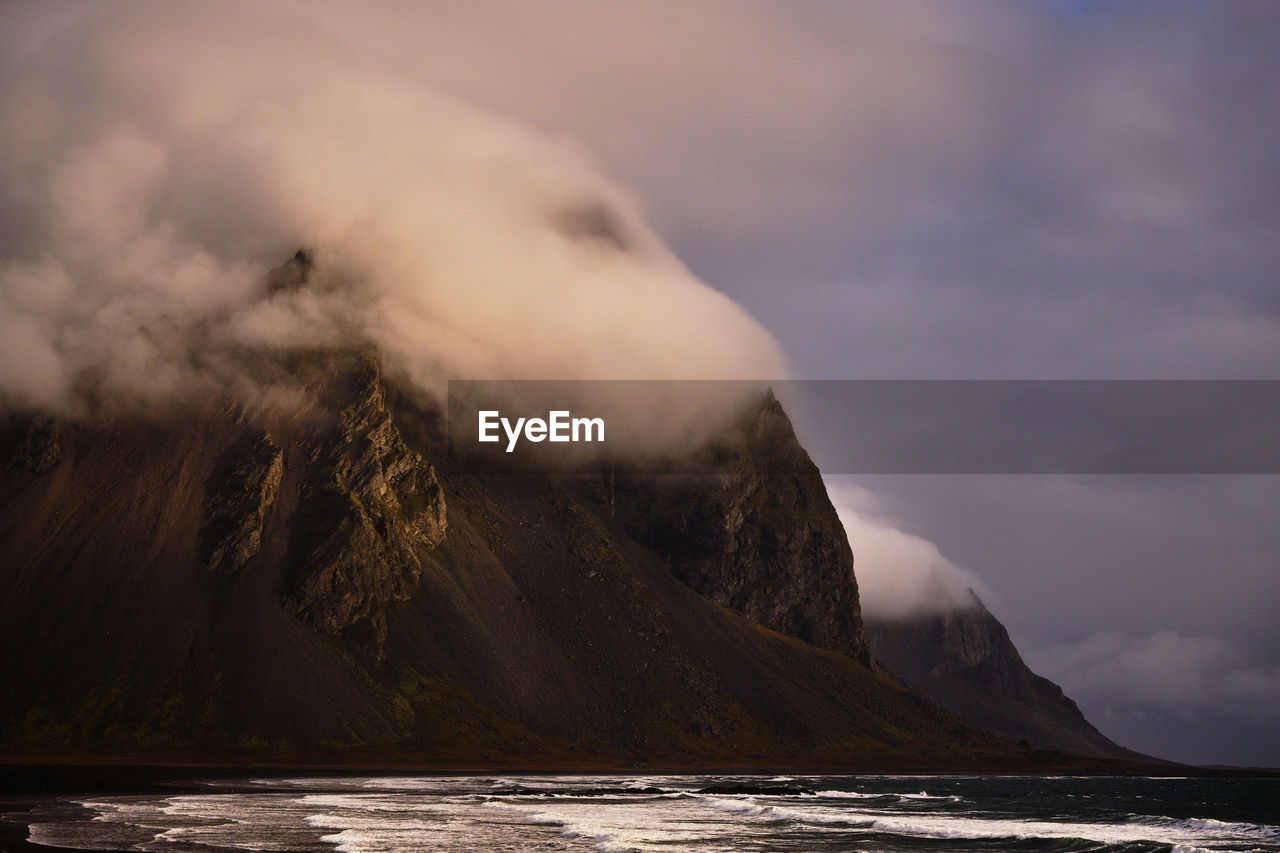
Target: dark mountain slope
[
  {"x": 221, "y": 578},
  {"x": 756, "y": 532},
  {"x": 965, "y": 661}
]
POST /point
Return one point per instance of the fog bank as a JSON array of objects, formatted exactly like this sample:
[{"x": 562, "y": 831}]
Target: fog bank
[{"x": 158, "y": 159}]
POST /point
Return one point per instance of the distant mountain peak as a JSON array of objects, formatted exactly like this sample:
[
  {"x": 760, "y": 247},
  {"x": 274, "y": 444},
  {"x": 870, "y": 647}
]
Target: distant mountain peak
[{"x": 964, "y": 659}]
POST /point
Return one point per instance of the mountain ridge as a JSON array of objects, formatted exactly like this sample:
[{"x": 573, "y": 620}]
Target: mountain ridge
[{"x": 221, "y": 578}]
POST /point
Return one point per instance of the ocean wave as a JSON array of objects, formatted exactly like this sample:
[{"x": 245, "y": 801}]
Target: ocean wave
[
  {"x": 895, "y": 796},
  {"x": 885, "y": 798},
  {"x": 1210, "y": 825},
  {"x": 857, "y": 795},
  {"x": 751, "y": 808}
]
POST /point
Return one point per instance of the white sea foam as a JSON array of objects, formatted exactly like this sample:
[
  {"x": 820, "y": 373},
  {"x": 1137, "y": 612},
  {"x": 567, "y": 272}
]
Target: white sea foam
[
  {"x": 134, "y": 812},
  {"x": 267, "y": 821},
  {"x": 750, "y": 807},
  {"x": 888, "y": 795},
  {"x": 616, "y": 827}
]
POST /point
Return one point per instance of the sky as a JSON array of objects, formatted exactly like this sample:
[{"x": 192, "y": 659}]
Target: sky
[{"x": 941, "y": 189}]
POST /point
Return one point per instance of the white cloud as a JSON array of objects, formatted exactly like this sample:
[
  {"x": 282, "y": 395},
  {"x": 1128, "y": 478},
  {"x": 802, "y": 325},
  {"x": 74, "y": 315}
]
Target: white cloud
[{"x": 899, "y": 575}]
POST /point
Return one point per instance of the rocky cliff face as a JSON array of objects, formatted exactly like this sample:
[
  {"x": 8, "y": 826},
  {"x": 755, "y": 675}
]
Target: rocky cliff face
[
  {"x": 238, "y": 498},
  {"x": 964, "y": 660},
  {"x": 367, "y": 507},
  {"x": 756, "y": 533}
]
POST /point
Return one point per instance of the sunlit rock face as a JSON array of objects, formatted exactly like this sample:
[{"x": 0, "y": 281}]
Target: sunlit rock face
[{"x": 367, "y": 507}]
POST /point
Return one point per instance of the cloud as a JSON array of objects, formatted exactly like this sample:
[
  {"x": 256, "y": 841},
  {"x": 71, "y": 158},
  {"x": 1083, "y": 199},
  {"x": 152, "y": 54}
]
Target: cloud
[
  {"x": 159, "y": 158},
  {"x": 1167, "y": 671},
  {"x": 899, "y": 575}
]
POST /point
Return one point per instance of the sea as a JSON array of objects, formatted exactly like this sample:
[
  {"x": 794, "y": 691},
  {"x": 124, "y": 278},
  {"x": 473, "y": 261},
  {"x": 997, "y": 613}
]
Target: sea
[{"x": 613, "y": 813}]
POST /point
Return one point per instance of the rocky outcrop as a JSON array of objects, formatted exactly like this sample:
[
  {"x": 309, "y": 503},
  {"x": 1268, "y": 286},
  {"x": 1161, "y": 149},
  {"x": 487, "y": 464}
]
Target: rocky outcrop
[
  {"x": 368, "y": 506},
  {"x": 756, "y": 533},
  {"x": 237, "y": 499},
  {"x": 34, "y": 443},
  {"x": 292, "y": 275},
  {"x": 964, "y": 660}
]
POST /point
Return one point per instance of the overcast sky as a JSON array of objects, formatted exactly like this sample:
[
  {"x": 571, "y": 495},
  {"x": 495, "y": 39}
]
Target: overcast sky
[{"x": 965, "y": 189}]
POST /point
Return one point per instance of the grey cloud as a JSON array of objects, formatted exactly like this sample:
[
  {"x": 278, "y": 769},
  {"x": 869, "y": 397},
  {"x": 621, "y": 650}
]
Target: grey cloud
[
  {"x": 1147, "y": 690},
  {"x": 1170, "y": 671}
]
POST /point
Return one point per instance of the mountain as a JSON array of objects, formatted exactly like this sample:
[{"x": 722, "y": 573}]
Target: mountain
[
  {"x": 305, "y": 580},
  {"x": 964, "y": 660}
]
